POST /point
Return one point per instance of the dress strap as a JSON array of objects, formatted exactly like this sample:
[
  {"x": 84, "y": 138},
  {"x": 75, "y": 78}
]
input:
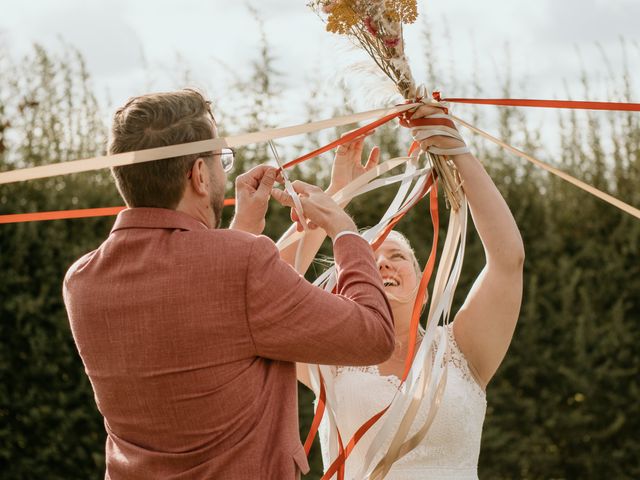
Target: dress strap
[{"x": 457, "y": 358}]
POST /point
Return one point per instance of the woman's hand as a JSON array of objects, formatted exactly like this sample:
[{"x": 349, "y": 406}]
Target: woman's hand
[
  {"x": 347, "y": 164},
  {"x": 410, "y": 120}
]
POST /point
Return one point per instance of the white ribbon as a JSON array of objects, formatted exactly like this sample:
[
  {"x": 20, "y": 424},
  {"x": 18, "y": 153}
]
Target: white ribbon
[
  {"x": 424, "y": 364},
  {"x": 404, "y": 199}
]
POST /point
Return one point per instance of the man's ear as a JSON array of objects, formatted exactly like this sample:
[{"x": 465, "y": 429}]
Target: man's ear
[{"x": 200, "y": 177}]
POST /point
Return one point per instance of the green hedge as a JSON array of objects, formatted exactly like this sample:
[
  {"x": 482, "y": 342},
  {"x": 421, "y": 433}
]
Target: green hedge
[{"x": 565, "y": 402}]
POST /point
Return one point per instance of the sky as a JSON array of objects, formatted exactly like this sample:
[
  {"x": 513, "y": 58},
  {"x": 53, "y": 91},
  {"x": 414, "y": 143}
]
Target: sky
[{"x": 135, "y": 46}]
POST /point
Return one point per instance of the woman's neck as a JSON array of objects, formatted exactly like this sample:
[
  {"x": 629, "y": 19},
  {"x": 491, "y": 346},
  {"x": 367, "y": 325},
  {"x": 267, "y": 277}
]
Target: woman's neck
[{"x": 402, "y": 313}]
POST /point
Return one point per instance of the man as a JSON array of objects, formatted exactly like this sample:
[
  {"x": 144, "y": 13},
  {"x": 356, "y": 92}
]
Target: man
[{"x": 189, "y": 333}]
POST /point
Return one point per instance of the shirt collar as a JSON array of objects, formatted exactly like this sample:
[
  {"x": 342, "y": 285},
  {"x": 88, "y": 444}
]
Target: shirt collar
[{"x": 156, "y": 218}]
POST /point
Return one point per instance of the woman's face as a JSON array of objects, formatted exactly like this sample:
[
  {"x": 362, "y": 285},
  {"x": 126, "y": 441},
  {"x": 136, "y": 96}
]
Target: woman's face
[{"x": 397, "y": 269}]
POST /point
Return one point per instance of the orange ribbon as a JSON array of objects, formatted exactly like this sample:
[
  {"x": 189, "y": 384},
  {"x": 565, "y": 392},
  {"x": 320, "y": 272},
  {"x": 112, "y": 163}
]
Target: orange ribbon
[
  {"x": 317, "y": 417},
  {"x": 67, "y": 214},
  {"x": 424, "y": 122},
  {"x": 339, "y": 463},
  {"x": 571, "y": 104},
  {"x": 344, "y": 139}
]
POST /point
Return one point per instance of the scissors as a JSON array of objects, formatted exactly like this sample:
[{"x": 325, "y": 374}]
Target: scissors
[{"x": 297, "y": 205}]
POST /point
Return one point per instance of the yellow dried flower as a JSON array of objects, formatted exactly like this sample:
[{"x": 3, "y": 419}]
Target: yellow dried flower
[
  {"x": 405, "y": 11},
  {"x": 342, "y": 17}
]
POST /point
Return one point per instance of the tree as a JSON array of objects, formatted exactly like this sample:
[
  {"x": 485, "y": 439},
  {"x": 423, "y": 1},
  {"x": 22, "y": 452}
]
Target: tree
[{"x": 50, "y": 426}]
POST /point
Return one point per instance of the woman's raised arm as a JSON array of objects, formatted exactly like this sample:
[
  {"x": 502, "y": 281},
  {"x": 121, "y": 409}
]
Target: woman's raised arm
[
  {"x": 484, "y": 325},
  {"x": 347, "y": 166}
]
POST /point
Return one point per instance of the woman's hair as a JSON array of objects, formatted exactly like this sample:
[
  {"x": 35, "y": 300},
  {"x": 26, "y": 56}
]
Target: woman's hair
[{"x": 327, "y": 261}]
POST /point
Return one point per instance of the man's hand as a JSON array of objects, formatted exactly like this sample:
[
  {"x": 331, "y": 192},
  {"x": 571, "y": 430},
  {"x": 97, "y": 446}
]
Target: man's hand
[
  {"x": 253, "y": 190},
  {"x": 318, "y": 207}
]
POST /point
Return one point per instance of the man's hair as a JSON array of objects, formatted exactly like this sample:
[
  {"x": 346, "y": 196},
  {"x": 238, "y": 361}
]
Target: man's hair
[{"x": 157, "y": 120}]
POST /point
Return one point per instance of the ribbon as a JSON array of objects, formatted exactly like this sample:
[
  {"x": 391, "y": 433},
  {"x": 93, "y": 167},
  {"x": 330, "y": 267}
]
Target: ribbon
[
  {"x": 424, "y": 282},
  {"x": 67, "y": 214},
  {"x": 404, "y": 406},
  {"x": 376, "y": 236},
  {"x": 424, "y": 380},
  {"x": 159, "y": 153},
  {"x": 625, "y": 207},
  {"x": 127, "y": 158},
  {"x": 348, "y": 137},
  {"x": 570, "y": 104},
  {"x": 183, "y": 149},
  {"x": 322, "y": 400},
  {"x": 350, "y": 191},
  {"x": 396, "y": 211}
]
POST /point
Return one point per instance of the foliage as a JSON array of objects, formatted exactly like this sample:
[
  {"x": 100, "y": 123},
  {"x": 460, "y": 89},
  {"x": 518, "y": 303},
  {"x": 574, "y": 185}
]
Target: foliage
[{"x": 50, "y": 426}]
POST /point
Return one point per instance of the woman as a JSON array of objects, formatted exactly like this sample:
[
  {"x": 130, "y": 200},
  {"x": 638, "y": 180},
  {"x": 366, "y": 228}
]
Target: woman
[{"x": 478, "y": 337}]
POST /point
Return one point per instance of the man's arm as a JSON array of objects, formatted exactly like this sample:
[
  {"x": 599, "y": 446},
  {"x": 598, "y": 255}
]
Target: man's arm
[{"x": 292, "y": 320}]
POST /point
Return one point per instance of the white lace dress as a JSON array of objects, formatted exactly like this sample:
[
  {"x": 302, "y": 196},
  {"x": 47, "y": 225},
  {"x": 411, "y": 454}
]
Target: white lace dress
[{"x": 450, "y": 449}]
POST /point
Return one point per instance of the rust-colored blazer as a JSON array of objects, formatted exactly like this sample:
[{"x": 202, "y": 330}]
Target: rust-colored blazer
[{"x": 189, "y": 337}]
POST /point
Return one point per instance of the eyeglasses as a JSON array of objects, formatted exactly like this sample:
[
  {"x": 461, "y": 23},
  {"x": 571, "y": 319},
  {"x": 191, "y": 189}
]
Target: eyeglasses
[{"x": 227, "y": 157}]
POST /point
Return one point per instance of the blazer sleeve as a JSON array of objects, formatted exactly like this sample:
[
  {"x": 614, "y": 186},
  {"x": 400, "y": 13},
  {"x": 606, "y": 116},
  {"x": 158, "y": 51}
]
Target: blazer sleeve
[{"x": 290, "y": 319}]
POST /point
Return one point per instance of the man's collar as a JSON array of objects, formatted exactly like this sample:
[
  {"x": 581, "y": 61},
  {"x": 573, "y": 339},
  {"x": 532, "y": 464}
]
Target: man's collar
[{"x": 156, "y": 218}]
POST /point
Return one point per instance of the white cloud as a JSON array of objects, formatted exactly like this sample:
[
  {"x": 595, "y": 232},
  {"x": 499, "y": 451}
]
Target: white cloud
[
  {"x": 97, "y": 29},
  {"x": 542, "y": 36}
]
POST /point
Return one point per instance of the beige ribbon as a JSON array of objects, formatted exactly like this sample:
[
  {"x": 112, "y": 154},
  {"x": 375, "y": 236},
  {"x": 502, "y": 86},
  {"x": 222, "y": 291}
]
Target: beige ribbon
[
  {"x": 423, "y": 365},
  {"x": 402, "y": 203},
  {"x": 625, "y": 207},
  {"x": 356, "y": 187},
  {"x": 396, "y": 452},
  {"x": 129, "y": 158}
]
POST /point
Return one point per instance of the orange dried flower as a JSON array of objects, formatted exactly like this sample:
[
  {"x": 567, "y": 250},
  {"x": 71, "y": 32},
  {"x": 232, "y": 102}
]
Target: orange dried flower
[
  {"x": 342, "y": 16},
  {"x": 405, "y": 11}
]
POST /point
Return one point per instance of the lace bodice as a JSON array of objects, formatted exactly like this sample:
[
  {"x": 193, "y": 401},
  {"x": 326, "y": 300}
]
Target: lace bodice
[{"x": 450, "y": 449}]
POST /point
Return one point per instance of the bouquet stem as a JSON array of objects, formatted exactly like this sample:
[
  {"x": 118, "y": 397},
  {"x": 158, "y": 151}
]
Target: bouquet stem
[{"x": 450, "y": 180}]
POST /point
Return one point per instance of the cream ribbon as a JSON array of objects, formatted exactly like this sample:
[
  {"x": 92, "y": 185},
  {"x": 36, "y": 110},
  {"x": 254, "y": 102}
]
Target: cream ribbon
[
  {"x": 625, "y": 207},
  {"x": 417, "y": 388},
  {"x": 402, "y": 202},
  {"x": 397, "y": 409},
  {"x": 129, "y": 158},
  {"x": 361, "y": 184},
  {"x": 426, "y": 131}
]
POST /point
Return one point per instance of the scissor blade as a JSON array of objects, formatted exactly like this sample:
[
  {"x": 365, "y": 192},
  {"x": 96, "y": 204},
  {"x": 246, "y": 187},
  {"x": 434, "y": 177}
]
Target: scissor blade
[
  {"x": 277, "y": 157},
  {"x": 288, "y": 187}
]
